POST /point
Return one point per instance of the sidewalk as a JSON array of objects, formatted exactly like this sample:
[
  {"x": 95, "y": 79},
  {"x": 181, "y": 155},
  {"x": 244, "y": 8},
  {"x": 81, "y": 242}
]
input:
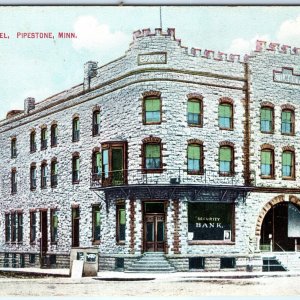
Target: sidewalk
[{"x": 35, "y": 272}]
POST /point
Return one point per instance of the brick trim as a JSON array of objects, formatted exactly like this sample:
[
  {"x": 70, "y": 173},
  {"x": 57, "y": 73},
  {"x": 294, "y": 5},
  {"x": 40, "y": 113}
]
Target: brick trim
[
  {"x": 288, "y": 148},
  {"x": 267, "y": 147},
  {"x": 226, "y": 100},
  {"x": 267, "y": 104},
  {"x": 194, "y": 96},
  {"x": 227, "y": 143},
  {"x": 287, "y": 107},
  {"x": 151, "y": 94},
  {"x": 132, "y": 225},
  {"x": 176, "y": 242}
]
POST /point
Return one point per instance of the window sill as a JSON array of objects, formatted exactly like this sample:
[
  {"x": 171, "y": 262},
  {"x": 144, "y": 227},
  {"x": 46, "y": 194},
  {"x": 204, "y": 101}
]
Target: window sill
[
  {"x": 195, "y": 125},
  {"x": 224, "y": 128},
  {"x": 53, "y": 243},
  {"x": 75, "y": 141},
  {"x": 121, "y": 243},
  {"x": 75, "y": 182},
  {"x": 211, "y": 242},
  {"x": 43, "y": 187},
  {"x": 267, "y": 132},
  {"x": 267, "y": 177},
  {"x": 96, "y": 242},
  {"x": 289, "y": 178},
  {"x": 195, "y": 173},
  {"x": 288, "y": 134},
  {"x": 96, "y": 134},
  {"x": 145, "y": 171},
  {"x": 43, "y": 149},
  {"x": 53, "y": 146},
  {"x": 151, "y": 123},
  {"x": 33, "y": 189},
  {"x": 53, "y": 186},
  {"x": 32, "y": 151},
  {"x": 224, "y": 174}
]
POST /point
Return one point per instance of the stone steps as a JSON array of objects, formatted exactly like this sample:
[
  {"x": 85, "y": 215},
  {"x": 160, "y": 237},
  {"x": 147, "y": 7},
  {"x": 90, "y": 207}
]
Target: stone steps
[{"x": 151, "y": 262}]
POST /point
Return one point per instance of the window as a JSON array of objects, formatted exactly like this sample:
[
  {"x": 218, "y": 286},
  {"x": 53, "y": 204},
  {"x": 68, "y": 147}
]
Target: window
[
  {"x": 227, "y": 262},
  {"x": 20, "y": 227},
  {"x": 54, "y": 225},
  {"x": 32, "y": 142},
  {"x": 194, "y": 159},
  {"x": 75, "y": 226},
  {"x": 75, "y": 169},
  {"x": 32, "y": 227},
  {"x": 32, "y": 258},
  {"x": 43, "y": 175},
  {"x": 96, "y": 164},
  {"x": 267, "y": 163},
  {"x": 121, "y": 222},
  {"x": 14, "y": 148},
  {"x": 14, "y": 227},
  {"x": 96, "y": 223},
  {"x": 96, "y": 122},
  {"x": 226, "y": 166},
  {"x": 225, "y": 116},
  {"x": 75, "y": 136},
  {"x": 54, "y": 135},
  {"x": 288, "y": 163},
  {"x": 33, "y": 178},
  {"x": 194, "y": 114},
  {"x": 266, "y": 119},
  {"x": 287, "y": 122},
  {"x": 13, "y": 181},
  {"x": 7, "y": 227},
  {"x": 44, "y": 138},
  {"x": 53, "y": 173},
  {"x": 196, "y": 263},
  {"x": 152, "y": 110}
]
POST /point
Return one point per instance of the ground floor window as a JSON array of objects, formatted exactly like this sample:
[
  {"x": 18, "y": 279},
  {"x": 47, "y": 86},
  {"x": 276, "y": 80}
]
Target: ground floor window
[
  {"x": 121, "y": 223},
  {"x": 210, "y": 221},
  {"x": 196, "y": 262},
  {"x": 96, "y": 223},
  {"x": 32, "y": 227},
  {"x": 227, "y": 263}
]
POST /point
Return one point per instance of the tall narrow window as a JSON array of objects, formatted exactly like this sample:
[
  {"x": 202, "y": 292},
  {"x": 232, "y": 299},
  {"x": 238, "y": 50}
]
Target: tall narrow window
[
  {"x": 33, "y": 177},
  {"x": 43, "y": 175},
  {"x": 54, "y": 173},
  {"x": 121, "y": 223},
  {"x": 96, "y": 122},
  {"x": 152, "y": 110},
  {"x": 266, "y": 119},
  {"x": 288, "y": 164},
  {"x": 105, "y": 165},
  {"x": 32, "y": 141},
  {"x": 152, "y": 157},
  {"x": 75, "y": 169},
  {"x": 14, "y": 227},
  {"x": 32, "y": 226},
  {"x": 226, "y": 160},
  {"x": 194, "y": 112},
  {"x": 267, "y": 163},
  {"x": 20, "y": 227},
  {"x": 54, "y": 135},
  {"x": 96, "y": 164},
  {"x": 13, "y": 148},
  {"x": 54, "y": 226},
  {"x": 7, "y": 227},
  {"x": 13, "y": 181},
  {"x": 194, "y": 159},
  {"x": 76, "y": 130},
  {"x": 75, "y": 227},
  {"x": 225, "y": 116},
  {"x": 96, "y": 223},
  {"x": 44, "y": 138},
  {"x": 287, "y": 122}
]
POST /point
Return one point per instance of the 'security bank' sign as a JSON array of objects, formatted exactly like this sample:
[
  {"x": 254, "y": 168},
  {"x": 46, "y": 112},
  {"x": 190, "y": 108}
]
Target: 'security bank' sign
[{"x": 286, "y": 76}]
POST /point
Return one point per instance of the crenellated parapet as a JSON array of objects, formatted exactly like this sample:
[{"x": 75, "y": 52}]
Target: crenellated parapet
[{"x": 264, "y": 46}]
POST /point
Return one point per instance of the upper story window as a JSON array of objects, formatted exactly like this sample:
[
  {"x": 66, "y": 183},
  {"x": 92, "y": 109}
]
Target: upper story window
[
  {"x": 267, "y": 119},
  {"x": 44, "y": 138},
  {"x": 54, "y": 133},
  {"x": 43, "y": 175},
  {"x": 33, "y": 177},
  {"x": 96, "y": 223},
  {"x": 152, "y": 156},
  {"x": 54, "y": 175},
  {"x": 76, "y": 130},
  {"x": 225, "y": 113},
  {"x": 13, "y": 181},
  {"x": 226, "y": 161},
  {"x": 151, "y": 108},
  {"x": 32, "y": 141},
  {"x": 13, "y": 147},
  {"x": 195, "y": 158},
  {"x": 267, "y": 163},
  {"x": 96, "y": 122},
  {"x": 96, "y": 164},
  {"x": 288, "y": 164},
  {"x": 287, "y": 121},
  {"x": 75, "y": 169},
  {"x": 194, "y": 114}
]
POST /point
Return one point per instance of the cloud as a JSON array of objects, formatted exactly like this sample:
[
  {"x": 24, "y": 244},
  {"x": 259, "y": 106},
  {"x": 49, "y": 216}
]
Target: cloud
[
  {"x": 93, "y": 36},
  {"x": 245, "y": 46},
  {"x": 289, "y": 32}
]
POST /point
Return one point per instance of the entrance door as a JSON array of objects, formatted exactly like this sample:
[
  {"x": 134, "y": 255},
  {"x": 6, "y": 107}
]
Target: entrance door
[
  {"x": 44, "y": 232},
  {"x": 154, "y": 233},
  {"x": 75, "y": 226}
]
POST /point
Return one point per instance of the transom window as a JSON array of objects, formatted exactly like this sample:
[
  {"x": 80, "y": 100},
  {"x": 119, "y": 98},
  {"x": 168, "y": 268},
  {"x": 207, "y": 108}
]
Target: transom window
[
  {"x": 194, "y": 112},
  {"x": 287, "y": 122},
  {"x": 226, "y": 160},
  {"x": 152, "y": 110},
  {"x": 225, "y": 116},
  {"x": 266, "y": 119},
  {"x": 288, "y": 164},
  {"x": 267, "y": 162},
  {"x": 194, "y": 159}
]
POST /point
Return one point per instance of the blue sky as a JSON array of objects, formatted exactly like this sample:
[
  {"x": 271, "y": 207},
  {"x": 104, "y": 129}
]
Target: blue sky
[{"x": 40, "y": 68}]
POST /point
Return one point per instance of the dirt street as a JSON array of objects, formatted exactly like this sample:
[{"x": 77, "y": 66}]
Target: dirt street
[{"x": 283, "y": 286}]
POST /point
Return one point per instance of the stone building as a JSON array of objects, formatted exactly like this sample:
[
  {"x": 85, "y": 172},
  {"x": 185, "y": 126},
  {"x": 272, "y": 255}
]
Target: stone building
[{"x": 189, "y": 153}]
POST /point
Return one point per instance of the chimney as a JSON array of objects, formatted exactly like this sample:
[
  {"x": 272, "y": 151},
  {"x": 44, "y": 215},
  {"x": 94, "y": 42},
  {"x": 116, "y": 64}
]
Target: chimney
[
  {"x": 90, "y": 71},
  {"x": 29, "y": 104}
]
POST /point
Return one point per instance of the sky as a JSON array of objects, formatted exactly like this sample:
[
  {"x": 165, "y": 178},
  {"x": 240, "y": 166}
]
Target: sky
[{"x": 40, "y": 68}]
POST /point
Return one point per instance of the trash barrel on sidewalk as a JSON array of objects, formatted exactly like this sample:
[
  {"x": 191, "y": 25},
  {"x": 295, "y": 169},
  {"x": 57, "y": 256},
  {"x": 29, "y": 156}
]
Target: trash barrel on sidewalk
[{"x": 89, "y": 256}]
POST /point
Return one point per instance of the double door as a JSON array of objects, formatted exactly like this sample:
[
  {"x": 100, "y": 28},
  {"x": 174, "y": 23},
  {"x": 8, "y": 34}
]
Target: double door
[{"x": 154, "y": 233}]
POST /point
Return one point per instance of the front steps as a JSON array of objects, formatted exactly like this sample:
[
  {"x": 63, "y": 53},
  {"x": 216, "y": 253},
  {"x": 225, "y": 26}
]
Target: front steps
[
  {"x": 281, "y": 261},
  {"x": 151, "y": 262}
]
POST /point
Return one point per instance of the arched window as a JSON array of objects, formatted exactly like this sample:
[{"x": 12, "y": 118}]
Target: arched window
[
  {"x": 288, "y": 164},
  {"x": 43, "y": 175},
  {"x": 32, "y": 141},
  {"x": 226, "y": 163},
  {"x": 152, "y": 108},
  {"x": 194, "y": 113},
  {"x": 53, "y": 135},
  {"x": 225, "y": 115},
  {"x": 44, "y": 138},
  {"x": 75, "y": 169},
  {"x": 96, "y": 122},
  {"x": 195, "y": 158},
  {"x": 14, "y": 147},
  {"x": 287, "y": 121},
  {"x": 54, "y": 176},
  {"x": 267, "y": 119},
  {"x": 267, "y": 163},
  {"x": 76, "y": 130}
]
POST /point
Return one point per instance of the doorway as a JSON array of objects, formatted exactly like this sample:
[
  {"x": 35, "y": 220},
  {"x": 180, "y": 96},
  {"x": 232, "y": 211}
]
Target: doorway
[
  {"x": 44, "y": 232},
  {"x": 154, "y": 227},
  {"x": 75, "y": 226}
]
